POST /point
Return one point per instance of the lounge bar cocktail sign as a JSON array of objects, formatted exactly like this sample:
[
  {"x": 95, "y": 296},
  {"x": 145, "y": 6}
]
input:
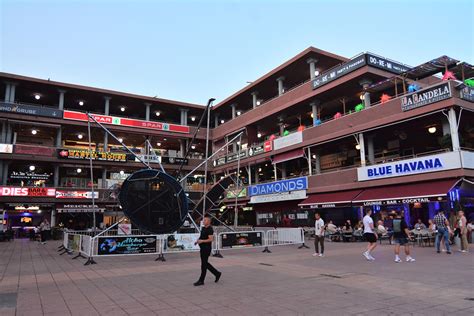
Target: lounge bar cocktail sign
[
  {"x": 426, "y": 96},
  {"x": 122, "y": 121}
]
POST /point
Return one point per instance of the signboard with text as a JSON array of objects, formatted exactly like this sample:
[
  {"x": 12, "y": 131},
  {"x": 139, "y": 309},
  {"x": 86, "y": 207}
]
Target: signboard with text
[
  {"x": 289, "y": 140},
  {"x": 76, "y": 194},
  {"x": 385, "y": 64},
  {"x": 400, "y": 201},
  {"x": 426, "y": 96},
  {"x": 83, "y": 154},
  {"x": 30, "y": 110},
  {"x": 241, "y": 239},
  {"x": 112, "y": 245},
  {"x": 25, "y": 191},
  {"x": 180, "y": 242},
  {"x": 27, "y": 175},
  {"x": 339, "y": 71},
  {"x": 467, "y": 94},
  {"x": 278, "y": 197},
  {"x": 294, "y": 184}
]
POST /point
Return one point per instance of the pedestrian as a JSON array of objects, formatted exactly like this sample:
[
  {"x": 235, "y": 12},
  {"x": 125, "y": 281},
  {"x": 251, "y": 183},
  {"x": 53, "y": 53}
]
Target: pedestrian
[
  {"x": 462, "y": 225},
  {"x": 318, "y": 235},
  {"x": 442, "y": 225},
  {"x": 45, "y": 230},
  {"x": 205, "y": 246},
  {"x": 369, "y": 235},
  {"x": 401, "y": 235}
]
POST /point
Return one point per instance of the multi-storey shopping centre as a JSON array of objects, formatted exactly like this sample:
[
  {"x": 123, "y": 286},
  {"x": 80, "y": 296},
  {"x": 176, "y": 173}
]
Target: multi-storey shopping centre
[{"x": 320, "y": 132}]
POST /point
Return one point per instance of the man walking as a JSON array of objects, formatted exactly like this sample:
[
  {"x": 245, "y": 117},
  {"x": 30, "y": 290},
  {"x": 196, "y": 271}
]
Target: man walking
[
  {"x": 462, "y": 225},
  {"x": 442, "y": 225},
  {"x": 205, "y": 245},
  {"x": 401, "y": 234},
  {"x": 318, "y": 235},
  {"x": 369, "y": 235}
]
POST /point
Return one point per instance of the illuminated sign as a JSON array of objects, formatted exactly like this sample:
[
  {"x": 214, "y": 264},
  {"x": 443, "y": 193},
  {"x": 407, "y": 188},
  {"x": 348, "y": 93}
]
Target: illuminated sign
[
  {"x": 25, "y": 191},
  {"x": 426, "y": 96},
  {"x": 96, "y": 155},
  {"x": 76, "y": 194},
  {"x": 294, "y": 184}
]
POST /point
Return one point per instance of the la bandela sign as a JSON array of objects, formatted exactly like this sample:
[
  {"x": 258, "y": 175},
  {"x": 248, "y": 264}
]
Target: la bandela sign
[{"x": 426, "y": 96}]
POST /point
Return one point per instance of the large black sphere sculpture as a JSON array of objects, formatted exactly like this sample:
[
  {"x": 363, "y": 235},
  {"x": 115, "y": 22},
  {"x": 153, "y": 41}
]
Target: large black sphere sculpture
[{"x": 154, "y": 201}]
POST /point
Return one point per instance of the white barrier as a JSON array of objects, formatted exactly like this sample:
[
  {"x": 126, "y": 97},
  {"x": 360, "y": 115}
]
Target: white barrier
[
  {"x": 285, "y": 236},
  {"x": 86, "y": 244},
  {"x": 245, "y": 239}
]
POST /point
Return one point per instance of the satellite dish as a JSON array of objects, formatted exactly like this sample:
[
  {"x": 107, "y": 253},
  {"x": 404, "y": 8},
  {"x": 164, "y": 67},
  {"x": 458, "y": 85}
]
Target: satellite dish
[{"x": 154, "y": 201}]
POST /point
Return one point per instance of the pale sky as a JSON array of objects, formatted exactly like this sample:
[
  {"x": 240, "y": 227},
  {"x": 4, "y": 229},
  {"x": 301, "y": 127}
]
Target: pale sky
[{"x": 193, "y": 50}]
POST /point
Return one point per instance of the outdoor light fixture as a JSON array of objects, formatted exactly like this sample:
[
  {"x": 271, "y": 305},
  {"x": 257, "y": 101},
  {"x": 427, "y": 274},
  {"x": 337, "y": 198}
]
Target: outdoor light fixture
[
  {"x": 164, "y": 139},
  {"x": 78, "y": 170},
  {"x": 193, "y": 118},
  {"x": 316, "y": 72},
  {"x": 81, "y": 103},
  {"x": 122, "y": 172},
  {"x": 258, "y": 102},
  {"x": 32, "y": 168},
  {"x": 158, "y": 144},
  {"x": 80, "y": 136},
  {"x": 259, "y": 135},
  {"x": 238, "y": 112},
  {"x": 37, "y": 96},
  {"x": 312, "y": 115},
  {"x": 238, "y": 142},
  {"x": 361, "y": 97},
  {"x": 157, "y": 113},
  {"x": 39, "y": 211},
  {"x": 34, "y": 132},
  {"x": 222, "y": 121},
  {"x": 314, "y": 156},
  {"x": 358, "y": 147},
  {"x": 432, "y": 129},
  {"x": 120, "y": 140},
  {"x": 122, "y": 108},
  {"x": 193, "y": 147},
  {"x": 259, "y": 169}
]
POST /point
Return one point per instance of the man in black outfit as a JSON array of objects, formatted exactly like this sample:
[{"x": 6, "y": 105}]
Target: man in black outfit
[{"x": 205, "y": 245}]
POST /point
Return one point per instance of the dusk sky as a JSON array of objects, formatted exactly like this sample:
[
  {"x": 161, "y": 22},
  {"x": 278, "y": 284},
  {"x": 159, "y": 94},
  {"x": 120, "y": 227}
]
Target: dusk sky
[{"x": 193, "y": 50}]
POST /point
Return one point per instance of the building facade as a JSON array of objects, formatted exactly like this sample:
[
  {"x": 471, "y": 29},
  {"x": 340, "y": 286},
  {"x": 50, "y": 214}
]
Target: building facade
[{"x": 320, "y": 133}]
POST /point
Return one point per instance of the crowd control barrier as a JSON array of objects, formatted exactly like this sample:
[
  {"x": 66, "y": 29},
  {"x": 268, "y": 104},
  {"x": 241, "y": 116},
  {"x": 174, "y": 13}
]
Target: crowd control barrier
[{"x": 285, "y": 236}]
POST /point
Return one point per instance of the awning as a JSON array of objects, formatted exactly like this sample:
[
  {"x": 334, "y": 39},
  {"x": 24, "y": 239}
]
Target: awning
[
  {"x": 330, "y": 199},
  {"x": 406, "y": 193},
  {"x": 298, "y": 153}
]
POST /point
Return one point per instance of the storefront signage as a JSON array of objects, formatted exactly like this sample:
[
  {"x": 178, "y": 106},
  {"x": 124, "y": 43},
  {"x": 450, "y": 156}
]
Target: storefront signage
[
  {"x": 23, "y": 191},
  {"x": 234, "y": 157},
  {"x": 112, "y": 120},
  {"x": 268, "y": 146},
  {"x": 440, "y": 162},
  {"x": 327, "y": 205},
  {"x": 174, "y": 160},
  {"x": 26, "y": 175},
  {"x": 278, "y": 197},
  {"x": 294, "y": 184},
  {"x": 339, "y": 71},
  {"x": 181, "y": 242},
  {"x": 231, "y": 194},
  {"x": 126, "y": 245},
  {"x": 124, "y": 229},
  {"x": 385, "y": 64},
  {"x": 76, "y": 194},
  {"x": 83, "y": 154},
  {"x": 467, "y": 94},
  {"x": 256, "y": 150},
  {"x": 220, "y": 161},
  {"x": 288, "y": 140},
  {"x": 426, "y": 96},
  {"x": 30, "y": 110},
  {"x": 119, "y": 176},
  {"x": 400, "y": 201},
  {"x": 242, "y": 240},
  {"x": 6, "y": 148},
  {"x": 79, "y": 208}
]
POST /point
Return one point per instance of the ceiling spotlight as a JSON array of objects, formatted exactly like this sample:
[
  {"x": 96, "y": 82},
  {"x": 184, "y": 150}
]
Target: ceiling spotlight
[
  {"x": 258, "y": 102},
  {"x": 158, "y": 144},
  {"x": 32, "y": 168},
  {"x": 34, "y": 132},
  {"x": 120, "y": 140},
  {"x": 78, "y": 170},
  {"x": 238, "y": 112},
  {"x": 316, "y": 72},
  {"x": 432, "y": 129},
  {"x": 80, "y": 136},
  {"x": 259, "y": 169},
  {"x": 193, "y": 147},
  {"x": 222, "y": 121},
  {"x": 193, "y": 118},
  {"x": 38, "y": 211},
  {"x": 238, "y": 142},
  {"x": 157, "y": 113},
  {"x": 259, "y": 135},
  {"x": 122, "y": 172},
  {"x": 81, "y": 103},
  {"x": 122, "y": 108},
  {"x": 312, "y": 115},
  {"x": 164, "y": 139},
  {"x": 37, "y": 96},
  {"x": 362, "y": 97},
  {"x": 358, "y": 147}
]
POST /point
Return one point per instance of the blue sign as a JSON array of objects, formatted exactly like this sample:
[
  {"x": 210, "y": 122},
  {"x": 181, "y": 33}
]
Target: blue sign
[{"x": 294, "y": 184}]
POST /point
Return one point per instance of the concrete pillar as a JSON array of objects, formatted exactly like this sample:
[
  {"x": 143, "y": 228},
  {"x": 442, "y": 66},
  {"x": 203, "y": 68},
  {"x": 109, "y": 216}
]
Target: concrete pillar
[
  {"x": 5, "y": 173},
  {"x": 1, "y": 170},
  {"x": 312, "y": 67},
  {"x": 365, "y": 84},
  {"x": 59, "y": 141},
  {"x": 8, "y": 134},
  {"x": 216, "y": 120},
  {"x": 7, "y": 92},
  {"x": 52, "y": 222},
  {"x": 106, "y": 141},
  {"x": 282, "y": 128},
  {"x": 104, "y": 178},
  {"x": 275, "y": 172},
  {"x": 256, "y": 178},
  {"x": 234, "y": 111},
  {"x": 249, "y": 172},
  {"x": 362, "y": 150},
  {"x": 310, "y": 168},
  {"x": 283, "y": 170},
  {"x": 453, "y": 125},
  {"x": 107, "y": 105},
  {"x": 147, "y": 111},
  {"x": 370, "y": 149},
  {"x": 182, "y": 147},
  {"x": 317, "y": 162},
  {"x": 184, "y": 116},
  {"x": 3, "y": 135},
  {"x": 446, "y": 128},
  {"x": 12, "y": 92},
  {"x": 56, "y": 176},
  {"x": 254, "y": 99},
  {"x": 315, "y": 109},
  {"x": 61, "y": 99},
  {"x": 280, "y": 85}
]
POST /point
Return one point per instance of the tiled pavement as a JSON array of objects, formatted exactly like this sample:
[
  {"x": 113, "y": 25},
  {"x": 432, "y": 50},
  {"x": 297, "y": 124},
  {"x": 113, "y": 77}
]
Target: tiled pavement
[{"x": 35, "y": 280}]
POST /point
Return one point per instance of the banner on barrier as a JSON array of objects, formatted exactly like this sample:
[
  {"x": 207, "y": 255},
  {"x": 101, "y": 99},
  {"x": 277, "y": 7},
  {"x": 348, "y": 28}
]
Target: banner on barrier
[
  {"x": 180, "y": 242},
  {"x": 241, "y": 239},
  {"x": 73, "y": 242},
  {"x": 114, "y": 245}
]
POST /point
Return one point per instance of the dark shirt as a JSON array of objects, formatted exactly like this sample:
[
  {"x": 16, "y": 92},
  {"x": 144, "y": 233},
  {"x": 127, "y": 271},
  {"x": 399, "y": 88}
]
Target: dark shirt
[
  {"x": 399, "y": 226},
  {"x": 205, "y": 233}
]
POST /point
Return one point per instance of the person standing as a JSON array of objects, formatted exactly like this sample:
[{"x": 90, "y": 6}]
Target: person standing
[
  {"x": 45, "y": 230},
  {"x": 205, "y": 246},
  {"x": 318, "y": 235},
  {"x": 401, "y": 234},
  {"x": 369, "y": 235},
  {"x": 462, "y": 225},
  {"x": 442, "y": 225}
]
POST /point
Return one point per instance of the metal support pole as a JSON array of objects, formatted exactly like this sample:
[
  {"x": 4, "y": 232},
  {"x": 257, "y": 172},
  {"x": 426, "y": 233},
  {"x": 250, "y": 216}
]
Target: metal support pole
[
  {"x": 205, "y": 164},
  {"x": 92, "y": 176}
]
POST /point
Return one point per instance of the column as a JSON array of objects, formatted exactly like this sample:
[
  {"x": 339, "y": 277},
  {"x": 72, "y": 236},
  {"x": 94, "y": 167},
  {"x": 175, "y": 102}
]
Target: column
[
  {"x": 362, "y": 149},
  {"x": 275, "y": 173},
  {"x": 254, "y": 99},
  {"x": 5, "y": 173},
  {"x": 234, "y": 111},
  {"x": 12, "y": 92},
  {"x": 256, "y": 177},
  {"x": 283, "y": 170},
  {"x": 453, "y": 125},
  {"x": 1, "y": 170},
  {"x": 249, "y": 172},
  {"x": 282, "y": 128},
  {"x": 184, "y": 116},
  {"x": 365, "y": 84},
  {"x": 104, "y": 178},
  {"x": 7, "y": 92},
  {"x": 446, "y": 128},
  {"x": 317, "y": 162},
  {"x": 61, "y": 99},
  {"x": 56, "y": 176},
  {"x": 3, "y": 135},
  {"x": 147, "y": 111},
  {"x": 370, "y": 149},
  {"x": 59, "y": 137},
  {"x": 314, "y": 110},
  {"x": 107, "y": 105},
  {"x": 8, "y": 134},
  {"x": 182, "y": 147},
  {"x": 53, "y": 217},
  {"x": 216, "y": 120},
  {"x": 280, "y": 85},
  {"x": 310, "y": 169},
  {"x": 106, "y": 141},
  {"x": 312, "y": 67}
]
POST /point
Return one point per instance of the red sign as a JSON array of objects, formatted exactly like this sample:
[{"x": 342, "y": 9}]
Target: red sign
[
  {"x": 267, "y": 146},
  {"x": 76, "y": 194},
  {"x": 21, "y": 191},
  {"x": 121, "y": 121}
]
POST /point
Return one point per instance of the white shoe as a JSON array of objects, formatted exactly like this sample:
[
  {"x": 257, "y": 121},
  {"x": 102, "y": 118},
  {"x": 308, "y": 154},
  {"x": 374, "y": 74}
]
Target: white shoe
[
  {"x": 371, "y": 258},
  {"x": 410, "y": 259},
  {"x": 398, "y": 260},
  {"x": 321, "y": 255},
  {"x": 367, "y": 256},
  {"x": 315, "y": 254},
  {"x": 463, "y": 251},
  {"x": 443, "y": 250}
]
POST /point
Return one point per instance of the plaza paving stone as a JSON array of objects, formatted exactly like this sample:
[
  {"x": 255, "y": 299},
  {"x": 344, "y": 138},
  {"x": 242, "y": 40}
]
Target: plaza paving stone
[{"x": 36, "y": 280}]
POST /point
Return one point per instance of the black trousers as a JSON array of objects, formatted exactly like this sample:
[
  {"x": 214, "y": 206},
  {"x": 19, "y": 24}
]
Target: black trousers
[{"x": 205, "y": 265}]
